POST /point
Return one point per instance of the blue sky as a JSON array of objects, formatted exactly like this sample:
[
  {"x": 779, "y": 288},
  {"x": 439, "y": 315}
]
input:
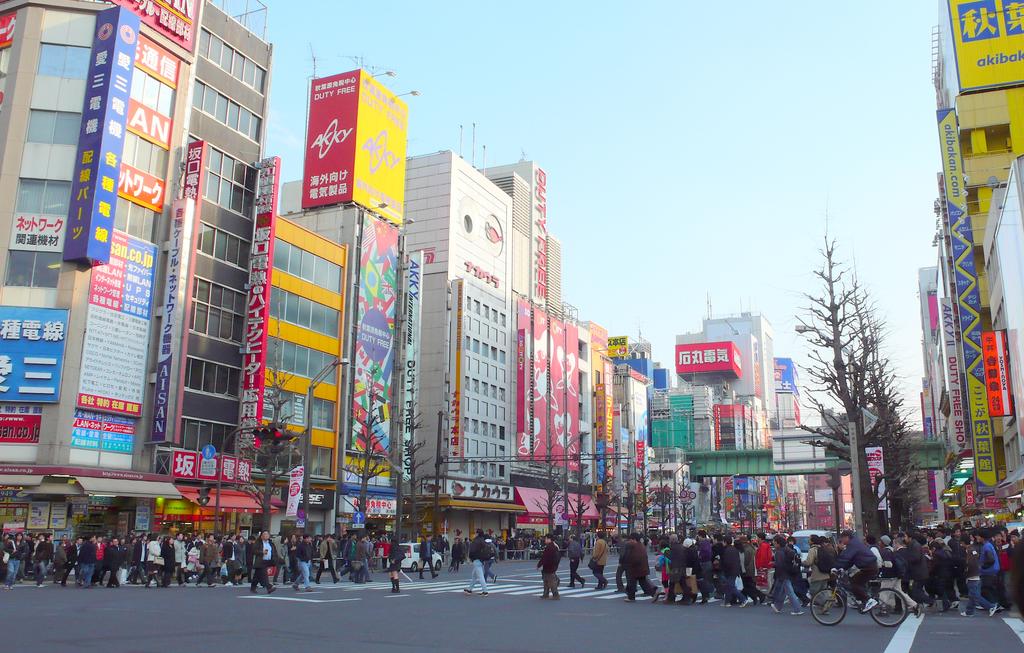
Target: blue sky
[{"x": 692, "y": 149}]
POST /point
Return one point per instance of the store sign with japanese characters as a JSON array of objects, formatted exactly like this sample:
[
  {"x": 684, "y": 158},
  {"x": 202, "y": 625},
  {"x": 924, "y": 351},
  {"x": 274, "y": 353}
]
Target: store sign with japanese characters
[
  {"x": 708, "y": 358},
  {"x": 141, "y": 188},
  {"x": 101, "y": 139},
  {"x": 31, "y": 353},
  {"x": 97, "y": 431},
  {"x": 38, "y": 233},
  {"x": 113, "y": 374},
  {"x": 254, "y": 347},
  {"x": 175, "y": 19},
  {"x": 156, "y": 61},
  {"x": 151, "y": 125}
]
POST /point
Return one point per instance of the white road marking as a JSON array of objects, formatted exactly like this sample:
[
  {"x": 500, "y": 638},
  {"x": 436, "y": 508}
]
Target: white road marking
[
  {"x": 903, "y": 639},
  {"x": 1016, "y": 625},
  {"x": 593, "y": 594},
  {"x": 296, "y": 599}
]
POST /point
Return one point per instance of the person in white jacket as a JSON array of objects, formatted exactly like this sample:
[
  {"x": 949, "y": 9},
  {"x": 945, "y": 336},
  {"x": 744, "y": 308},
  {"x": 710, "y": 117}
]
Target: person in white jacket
[{"x": 153, "y": 569}]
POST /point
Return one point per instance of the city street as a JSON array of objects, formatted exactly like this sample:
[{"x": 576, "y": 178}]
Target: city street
[{"x": 435, "y": 615}]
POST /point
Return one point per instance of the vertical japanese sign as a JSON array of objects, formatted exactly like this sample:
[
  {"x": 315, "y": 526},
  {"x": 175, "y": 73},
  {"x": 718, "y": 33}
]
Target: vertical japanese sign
[
  {"x": 957, "y": 423},
  {"x": 181, "y": 258},
  {"x": 558, "y": 431},
  {"x": 413, "y": 311},
  {"x": 254, "y": 348},
  {"x": 97, "y": 162},
  {"x": 968, "y": 300},
  {"x": 609, "y": 412},
  {"x": 540, "y": 237},
  {"x": 183, "y": 214},
  {"x": 7, "y": 25},
  {"x": 375, "y": 336},
  {"x": 455, "y": 445},
  {"x": 31, "y": 353},
  {"x": 113, "y": 374},
  {"x": 997, "y": 373}
]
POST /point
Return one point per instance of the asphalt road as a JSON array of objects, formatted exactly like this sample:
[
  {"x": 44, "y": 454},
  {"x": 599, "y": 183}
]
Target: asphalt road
[{"x": 435, "y": 615}]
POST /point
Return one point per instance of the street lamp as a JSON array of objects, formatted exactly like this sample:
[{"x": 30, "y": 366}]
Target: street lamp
[{"x": 307, "y": 449}]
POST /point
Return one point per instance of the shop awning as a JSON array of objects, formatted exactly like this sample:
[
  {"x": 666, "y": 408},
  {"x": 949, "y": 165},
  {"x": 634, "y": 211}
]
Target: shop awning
[
  {"x": 22, "y": 480},
  {"x": 1011, "y": 483},
  {"x": 469, "y": 504},
  {"x": 535, "y": 502},
  {"x": 230, "y": 500},
  {"x": 125, "y": 488}
]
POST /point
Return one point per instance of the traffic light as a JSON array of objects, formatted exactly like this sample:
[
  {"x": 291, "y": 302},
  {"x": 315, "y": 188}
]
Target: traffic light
[
  {"x": 276, "y": 438},
  {"x": 204, "y": 496}
]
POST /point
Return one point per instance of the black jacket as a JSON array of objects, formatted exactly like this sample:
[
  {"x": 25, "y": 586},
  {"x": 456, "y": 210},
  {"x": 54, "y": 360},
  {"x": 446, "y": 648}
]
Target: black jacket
[
  {"x": 477, "y": 548},
  {"x": 677, "y": 559},
  {"x": 257, "y": 561},
  {"x": 783, "y": 563},
  {"x": 916, "y": 563},
  {"x": 87, "y": 554},
  {"x": 113, "y": 557},
  {"x": 304, "y": 551},
  {"x": 730, "y": 563}
]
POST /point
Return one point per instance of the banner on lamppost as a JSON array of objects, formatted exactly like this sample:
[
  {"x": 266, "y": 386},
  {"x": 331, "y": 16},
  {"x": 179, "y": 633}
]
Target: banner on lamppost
[
  {"x": 294, "y": 490},
  {"x": 876, "y": 470}
]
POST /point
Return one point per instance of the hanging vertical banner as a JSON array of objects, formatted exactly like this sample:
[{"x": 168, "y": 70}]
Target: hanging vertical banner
[
  {"x": 524, "y": 381},
  {"x": 375, "y": 336},
  {"x": 956, "y": 421},
  {"x": 540, "y": 386},
  {"x": 559, "y": 433},
  {"x": 413, "y": 310},
  {"x": 997, "y": 376},
  {"x": 455, "y": 445},
  {"x": 294, "y": 491},
  {"x": 254, "y": 346},
  {"x": 968, "y": 301},
  {"x": 572, "y": 394},
  {"x": 876, "y": 471},
  {"x": 101, "y": 140}
]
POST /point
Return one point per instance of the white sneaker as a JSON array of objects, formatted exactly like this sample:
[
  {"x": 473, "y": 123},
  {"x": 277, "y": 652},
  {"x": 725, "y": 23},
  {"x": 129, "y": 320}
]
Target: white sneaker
[
  {"x": 869, "y": 606},
  {"x": 229, "y": 584}
]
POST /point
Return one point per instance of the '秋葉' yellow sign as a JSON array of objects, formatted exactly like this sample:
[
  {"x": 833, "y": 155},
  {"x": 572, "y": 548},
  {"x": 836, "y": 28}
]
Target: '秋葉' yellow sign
[
  {"x": 988, "y": 38},
  {"x": 380, "y": 150},
  {"x": 618, "y": 346}
]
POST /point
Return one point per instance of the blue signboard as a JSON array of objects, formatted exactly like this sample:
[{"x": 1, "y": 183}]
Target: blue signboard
[
  {"x": 785, "y": 376},
  {"x": 99, "y": 431},
  {"x": 31, "y": 353},
  {"x": 101, "y": 138},
  {"x": 600, "y": 461}
]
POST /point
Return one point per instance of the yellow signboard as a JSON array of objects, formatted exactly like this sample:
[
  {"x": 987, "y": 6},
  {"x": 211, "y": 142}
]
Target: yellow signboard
[
  {"x": 618, "y": 346},
  {"x": 380, "y": 150},
  {"x": 988, "y": 39}
]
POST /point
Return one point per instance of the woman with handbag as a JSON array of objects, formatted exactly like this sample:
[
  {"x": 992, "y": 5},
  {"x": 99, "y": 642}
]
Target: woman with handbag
[
  {"x": 156, "y": 562},
  {"x": 167, "y": 553},
  {"x": 598, "y": 560}
]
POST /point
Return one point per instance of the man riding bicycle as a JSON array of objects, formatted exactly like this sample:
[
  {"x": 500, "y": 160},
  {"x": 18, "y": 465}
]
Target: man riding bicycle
[{"x": 856, "y": 554}]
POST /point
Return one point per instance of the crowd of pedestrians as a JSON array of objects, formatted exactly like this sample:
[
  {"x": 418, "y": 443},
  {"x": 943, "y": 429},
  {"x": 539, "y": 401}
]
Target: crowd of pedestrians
[{"x": 942, "y": 569}]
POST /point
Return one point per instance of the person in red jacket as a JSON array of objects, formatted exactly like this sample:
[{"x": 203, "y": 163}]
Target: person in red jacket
[
  {"x": 548, "y": 565},
  {"x": 764, "y": 558}
]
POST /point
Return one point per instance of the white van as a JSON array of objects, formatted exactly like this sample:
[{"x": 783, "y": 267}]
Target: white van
[
  {"x": 412, "y": 562},
  {"x": 803, "y": 540}
]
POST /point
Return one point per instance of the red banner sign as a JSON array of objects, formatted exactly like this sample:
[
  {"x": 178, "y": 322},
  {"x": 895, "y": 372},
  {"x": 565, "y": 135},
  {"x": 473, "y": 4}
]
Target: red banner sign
[
  {"x": 191, "y": 465},
  {"x": 151, "y": 125},
  {"x": 175, "y": 19},
  {"x": 156, "y": 61},
  {"x": 997, "y": 373},
  {"x": 20, "y": 429},
  {"x": 709, "y": 358},
  {"x": 254, "y": 348},
  {"x": 7, "y": 22},
  {"x": 969, "y": 493},
  {"x": 141, "y": 188},
  {"x": 331, "y": 140}
]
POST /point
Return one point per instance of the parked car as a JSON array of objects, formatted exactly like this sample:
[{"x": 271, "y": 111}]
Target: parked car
[{"x": 412, "y": 561}]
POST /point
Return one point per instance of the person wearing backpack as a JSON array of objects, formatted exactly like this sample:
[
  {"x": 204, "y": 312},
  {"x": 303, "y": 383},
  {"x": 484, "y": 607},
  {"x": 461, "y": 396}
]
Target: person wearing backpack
[
  {"x": 786, "y": 565},
  {"x": 820, "y": 560},
  {"x": 893, "y": 571},
  {"x": 575, "y": 553}
]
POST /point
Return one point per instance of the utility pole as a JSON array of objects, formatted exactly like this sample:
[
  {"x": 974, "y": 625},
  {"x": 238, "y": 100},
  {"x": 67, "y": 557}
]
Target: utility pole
[{"x": 436, "y": 523}]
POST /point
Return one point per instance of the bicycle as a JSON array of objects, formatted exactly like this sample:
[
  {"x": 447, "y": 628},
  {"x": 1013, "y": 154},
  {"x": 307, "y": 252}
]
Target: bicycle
[{"x": 829, "y": 605}]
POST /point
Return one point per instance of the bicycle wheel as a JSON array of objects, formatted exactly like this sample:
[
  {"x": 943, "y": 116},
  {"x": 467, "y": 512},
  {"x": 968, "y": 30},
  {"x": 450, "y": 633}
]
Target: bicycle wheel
[
  {"x": 828, "y": 607},
  {"x": 891, "y": 610}
]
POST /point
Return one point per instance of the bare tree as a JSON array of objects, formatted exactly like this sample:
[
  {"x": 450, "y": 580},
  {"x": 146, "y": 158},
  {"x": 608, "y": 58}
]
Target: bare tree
[
  {"x": 850, "y": 371},
  {"x": 414, "y": 462},
  {"x": 576, "y": 503},
  {"x": 364, "y": 460},
  {"x": 271, "y": 459}
]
